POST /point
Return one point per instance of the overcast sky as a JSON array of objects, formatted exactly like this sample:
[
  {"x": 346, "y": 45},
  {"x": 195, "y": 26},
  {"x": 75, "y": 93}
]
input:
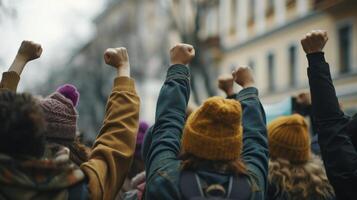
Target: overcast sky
[{"x": 59, "y": 25}]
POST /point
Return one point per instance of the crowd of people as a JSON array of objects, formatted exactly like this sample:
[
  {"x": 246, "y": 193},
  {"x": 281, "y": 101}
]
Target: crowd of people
[{"x": 222, "y": 149}]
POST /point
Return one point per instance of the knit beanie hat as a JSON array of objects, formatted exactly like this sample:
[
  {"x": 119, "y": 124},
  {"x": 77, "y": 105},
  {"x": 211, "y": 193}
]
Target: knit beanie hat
[
  {"x": 60, "y": 113},
  {"x": 289, "y": 138},
  {"x": 143, "y": 127},
  {"x": 214, "y": 130}
]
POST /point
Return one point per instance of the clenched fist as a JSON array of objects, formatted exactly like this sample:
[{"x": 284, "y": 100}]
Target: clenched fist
[
  {"x": 225, "y": 83},
  {"x": 117, "y": 57},
  {"x": 314, "y": 41},
  {"x": 29, "y": 50},
  {"x": 243, "y": 76},
  {"x": 304, "y": 98},
  {"x": 182, "y": 54}
]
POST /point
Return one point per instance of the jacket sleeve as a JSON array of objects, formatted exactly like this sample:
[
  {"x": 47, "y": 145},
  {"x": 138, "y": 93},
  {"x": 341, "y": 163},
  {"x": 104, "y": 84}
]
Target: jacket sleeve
[
  {"x": 255, "y": 145},
  {"x": 114, "y": 147},
  {"x": 337, "y": 150},
  {"x": 9, "y": 81},
  {"x": 169, "y": 119}
]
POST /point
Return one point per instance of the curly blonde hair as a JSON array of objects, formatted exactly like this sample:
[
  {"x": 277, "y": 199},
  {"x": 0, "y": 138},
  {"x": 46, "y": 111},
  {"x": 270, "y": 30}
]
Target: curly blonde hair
[{"x": 300, "y": 180}]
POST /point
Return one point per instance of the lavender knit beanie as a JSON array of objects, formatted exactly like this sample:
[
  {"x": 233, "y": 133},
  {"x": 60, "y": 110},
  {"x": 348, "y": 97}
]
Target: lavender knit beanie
[{"x": 61, "y": 114}]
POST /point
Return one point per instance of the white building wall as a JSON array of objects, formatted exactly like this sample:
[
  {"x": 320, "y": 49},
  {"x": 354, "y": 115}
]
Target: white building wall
[
  {"x": 242, "y": 19},
  {"x": 280, "y": 11}
]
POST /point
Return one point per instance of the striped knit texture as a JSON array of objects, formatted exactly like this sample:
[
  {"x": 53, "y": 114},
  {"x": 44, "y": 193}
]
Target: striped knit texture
[
  {"x": 289, "y": 138},
  {"x": 214, "y": 130},
  {"x": 61, "y": 117}
]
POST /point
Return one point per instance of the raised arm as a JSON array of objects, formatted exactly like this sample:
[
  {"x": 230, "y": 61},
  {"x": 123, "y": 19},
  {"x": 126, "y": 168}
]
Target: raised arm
[
  {"x": 338, "y": 153},
  {"x": 225, "y": 83},
  {"x": 170, "y": 114},
  {"x": 114, "y": 147},
  {"x": 28, "y": 51},
  {"x": 255, "y": 145}
]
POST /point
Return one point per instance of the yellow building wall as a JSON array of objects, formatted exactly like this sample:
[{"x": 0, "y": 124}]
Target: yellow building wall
[{"x": 279, "y": 41}]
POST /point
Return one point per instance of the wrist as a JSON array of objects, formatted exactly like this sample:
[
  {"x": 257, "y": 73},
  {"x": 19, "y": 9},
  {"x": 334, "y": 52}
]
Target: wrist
[
  {"x": 21, "y": 58},
  {"x": 314, "y": 51},
  {"x": 123, "y": 71},
  {"x": 230, "y": 92},
  {"x": 177, "y": 62},
  {"x": 315, "y": 58},
  {"x": 247, "y": 85}
]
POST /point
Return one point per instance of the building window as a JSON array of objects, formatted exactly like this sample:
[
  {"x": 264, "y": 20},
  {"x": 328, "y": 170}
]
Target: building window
[
  {"x": 293, "y": 65},
  {"x": 251, "y": 12},
  {"x": 291, "y": 3},
  {"x": 271, "y": 72},
  {"x": 345, "y": 48},
  {"x": 270, "y": 7}
]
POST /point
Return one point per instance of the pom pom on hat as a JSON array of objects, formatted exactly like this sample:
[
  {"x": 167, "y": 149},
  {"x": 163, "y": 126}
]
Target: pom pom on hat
[{"x": 70, "y": 92}]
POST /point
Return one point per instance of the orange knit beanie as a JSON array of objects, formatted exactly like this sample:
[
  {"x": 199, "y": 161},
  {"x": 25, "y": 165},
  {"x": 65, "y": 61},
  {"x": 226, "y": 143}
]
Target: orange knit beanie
[
  {"x": 214, "y": 130},
  {"x": 289, "y": 138}
]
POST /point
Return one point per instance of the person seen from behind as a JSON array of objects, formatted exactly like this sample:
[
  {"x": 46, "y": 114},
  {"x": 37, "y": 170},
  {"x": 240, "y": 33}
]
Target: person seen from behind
[
  {"x": 336, "y": 131},
  {"x": 220, "y": 152}
]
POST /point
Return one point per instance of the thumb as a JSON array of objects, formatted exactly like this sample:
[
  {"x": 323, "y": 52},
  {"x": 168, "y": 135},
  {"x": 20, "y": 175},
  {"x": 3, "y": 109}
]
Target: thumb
[
  {"x": 39, "y": 51},
  {"x": 108, "y": 54},
  {"x": 189, "y": 48}
]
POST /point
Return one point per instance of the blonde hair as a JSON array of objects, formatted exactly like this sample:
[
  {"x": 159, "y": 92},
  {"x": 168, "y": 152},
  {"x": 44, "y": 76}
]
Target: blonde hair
[{"x": 300, "y": 181}]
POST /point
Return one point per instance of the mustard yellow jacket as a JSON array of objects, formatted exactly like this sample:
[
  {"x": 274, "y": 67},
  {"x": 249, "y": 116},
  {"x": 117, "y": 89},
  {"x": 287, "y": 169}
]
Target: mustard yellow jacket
[{"x": 114, "y": 146}]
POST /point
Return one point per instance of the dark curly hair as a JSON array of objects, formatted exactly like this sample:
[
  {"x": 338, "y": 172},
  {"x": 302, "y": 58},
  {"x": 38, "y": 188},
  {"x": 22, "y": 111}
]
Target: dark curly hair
[{"x": 22, "y": 125}]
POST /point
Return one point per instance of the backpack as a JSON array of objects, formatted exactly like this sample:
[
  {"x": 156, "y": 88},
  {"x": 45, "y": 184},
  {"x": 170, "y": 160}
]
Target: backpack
[{"x": 193, "y": 188}]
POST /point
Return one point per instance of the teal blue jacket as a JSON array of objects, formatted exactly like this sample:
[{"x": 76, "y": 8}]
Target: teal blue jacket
[{"x": 163, "y": 144}]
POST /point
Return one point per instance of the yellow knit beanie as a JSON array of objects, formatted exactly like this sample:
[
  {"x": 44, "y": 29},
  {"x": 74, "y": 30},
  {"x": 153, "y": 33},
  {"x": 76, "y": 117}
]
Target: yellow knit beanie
[
  {"x": 214, "y": 130},
  {"x": 289, "y": 138}
]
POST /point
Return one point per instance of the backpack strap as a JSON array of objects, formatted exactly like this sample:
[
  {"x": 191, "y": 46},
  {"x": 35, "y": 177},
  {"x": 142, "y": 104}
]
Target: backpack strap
[
  {"x": 190, "y": 185},
  {"x": 239, "y": 188}
]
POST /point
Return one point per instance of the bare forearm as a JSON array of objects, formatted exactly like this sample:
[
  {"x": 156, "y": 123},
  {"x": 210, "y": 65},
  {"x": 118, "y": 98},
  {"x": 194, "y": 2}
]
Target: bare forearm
[
  {"x": 18, "y": 65},
  {"x": 124, "y": 72}
]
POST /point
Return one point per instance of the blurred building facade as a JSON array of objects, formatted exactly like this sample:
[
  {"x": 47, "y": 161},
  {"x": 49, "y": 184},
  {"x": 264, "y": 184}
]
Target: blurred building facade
[
  {"x": 265, "y": 35},
  {"x": 144, "y": 28},
  {"x": 262, "y": 34}
]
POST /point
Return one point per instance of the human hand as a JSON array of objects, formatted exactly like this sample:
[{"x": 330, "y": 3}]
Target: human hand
[
  {"x": 182, "y": 54},
  {"x": 314, "y": 41},
  {"x": 225, "y": 83},
  {"x": 29, "y": 50},
  {"x": 243, "y": 76},
  {"x": 304, "y": 98},
  {"x": 119, "y": 59}
]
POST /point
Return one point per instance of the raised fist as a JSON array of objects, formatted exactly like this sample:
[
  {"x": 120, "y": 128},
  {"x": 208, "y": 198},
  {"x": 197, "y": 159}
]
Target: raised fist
[
  {"x": 243, "y": 76},
  {"x": 304, "y": 98},
  {"x": 314, "y": 41},
  {"x": 117, "y": 57},
  {"x": 29, "y": 50},
  {"x": 182, "y": 54},
  {"x": 225, "y": 83}
]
